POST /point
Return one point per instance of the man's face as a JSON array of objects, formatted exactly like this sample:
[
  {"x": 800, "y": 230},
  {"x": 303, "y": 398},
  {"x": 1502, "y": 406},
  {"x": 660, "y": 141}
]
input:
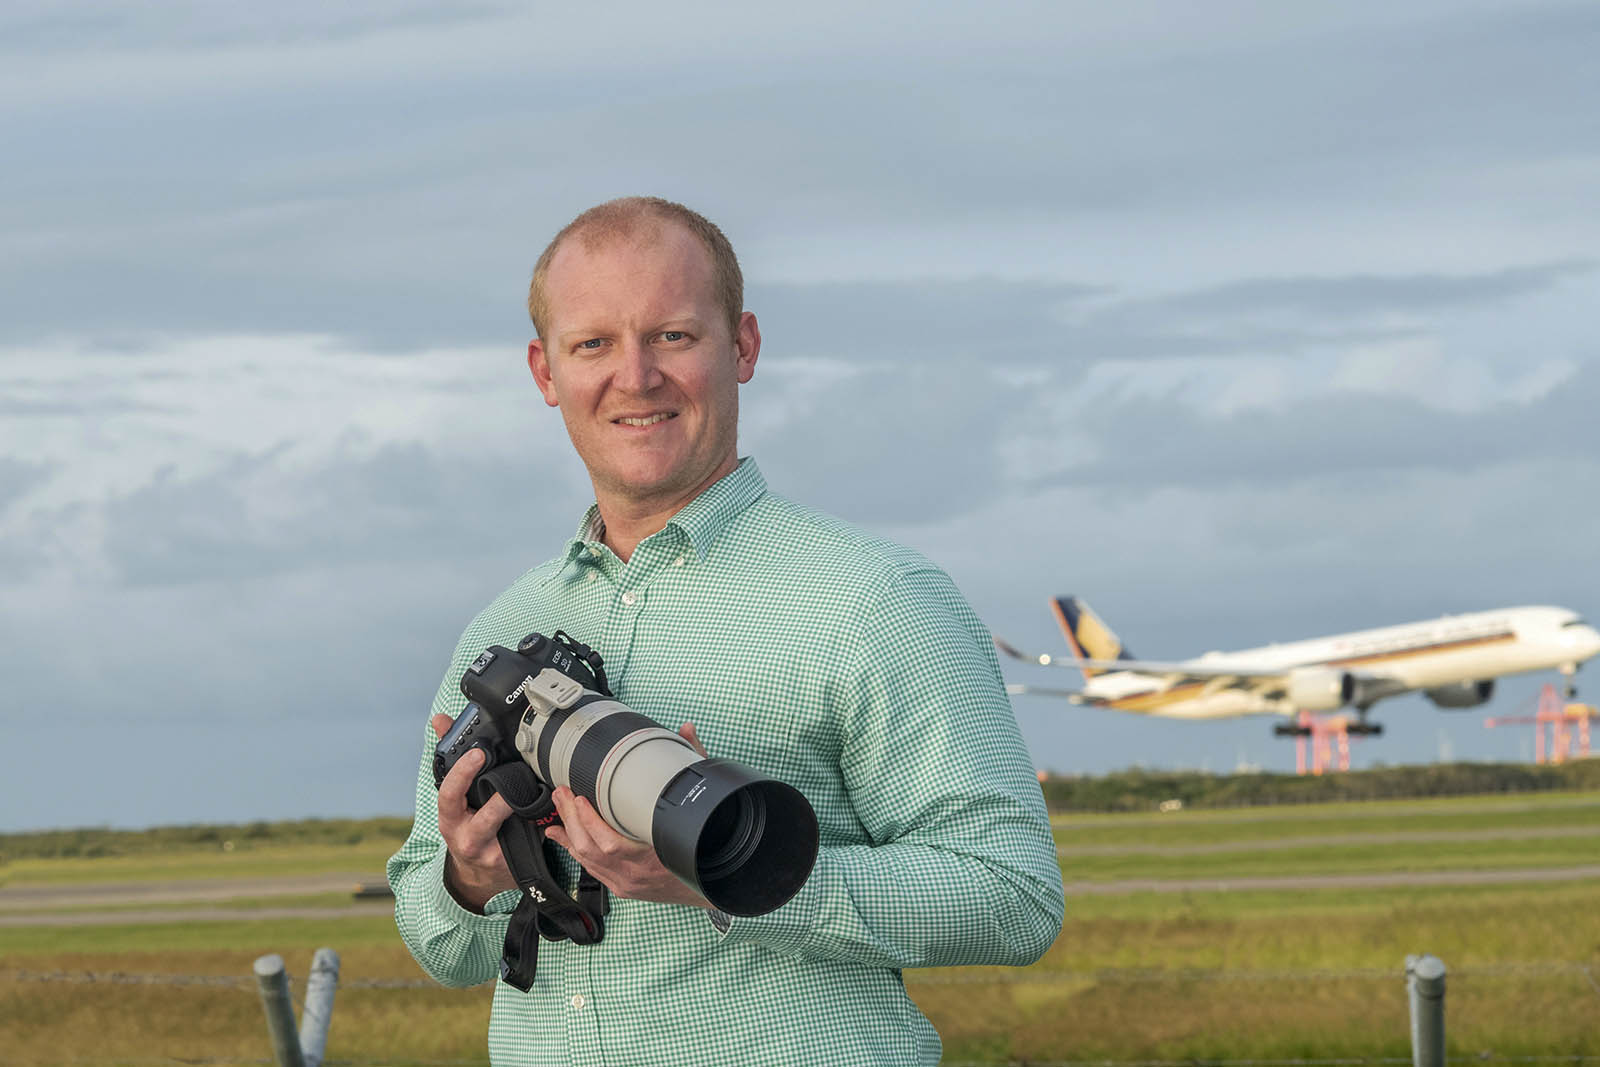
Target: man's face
[{"x": 639, "y": 358}]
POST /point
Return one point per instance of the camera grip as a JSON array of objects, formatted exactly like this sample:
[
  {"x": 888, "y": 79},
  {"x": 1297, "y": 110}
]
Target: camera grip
[{"x": 528, "y": 796}]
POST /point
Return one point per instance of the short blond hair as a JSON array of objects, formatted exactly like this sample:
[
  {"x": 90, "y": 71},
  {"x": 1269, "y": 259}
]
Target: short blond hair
[{"x": 627, "y": 217}]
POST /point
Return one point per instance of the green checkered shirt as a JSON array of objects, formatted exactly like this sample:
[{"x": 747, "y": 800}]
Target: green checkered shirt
[{"x": 849, "y": 667}]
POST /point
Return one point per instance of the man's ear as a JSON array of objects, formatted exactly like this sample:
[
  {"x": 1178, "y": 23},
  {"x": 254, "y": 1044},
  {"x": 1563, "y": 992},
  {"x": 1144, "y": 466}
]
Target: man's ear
[
  {"x": 540, "y": 366},
  {"x": 748, "y": 339}
]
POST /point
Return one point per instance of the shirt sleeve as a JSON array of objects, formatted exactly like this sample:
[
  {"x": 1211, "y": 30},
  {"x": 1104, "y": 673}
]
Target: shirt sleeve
[
  {"x": 960, "y": 865},
  {"x": 455, "y": 946}
]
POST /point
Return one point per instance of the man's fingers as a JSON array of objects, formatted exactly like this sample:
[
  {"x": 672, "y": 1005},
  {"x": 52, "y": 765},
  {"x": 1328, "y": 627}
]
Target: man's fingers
[
  {"x": 687, "y": 732},
  {"x": 485, "y": 823},
  {"x": 441, "y": 724},
  {"x": 453, "y": 790},
  {"x": 577, "y": 840}
]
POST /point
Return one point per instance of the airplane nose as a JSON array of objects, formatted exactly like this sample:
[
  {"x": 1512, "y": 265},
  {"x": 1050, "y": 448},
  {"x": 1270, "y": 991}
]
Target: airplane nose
[{"x": 1584, "y": 642}]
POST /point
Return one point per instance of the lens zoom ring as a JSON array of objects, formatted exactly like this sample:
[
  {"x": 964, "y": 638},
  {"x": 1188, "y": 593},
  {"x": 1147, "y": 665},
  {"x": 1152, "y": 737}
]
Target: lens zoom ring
[
  {"x": 547, "y": 740},
  {"x": 596, "y": 742}
]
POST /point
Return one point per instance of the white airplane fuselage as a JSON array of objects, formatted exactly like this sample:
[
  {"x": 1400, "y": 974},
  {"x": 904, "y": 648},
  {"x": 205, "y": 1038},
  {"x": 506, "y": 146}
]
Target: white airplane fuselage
[{"x": 1452, "y": 651}]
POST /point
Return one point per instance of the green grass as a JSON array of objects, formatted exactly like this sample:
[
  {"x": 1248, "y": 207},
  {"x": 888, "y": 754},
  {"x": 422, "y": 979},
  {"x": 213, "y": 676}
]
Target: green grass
[
  {"x": 1194, "y": 827},
  {"x": 1314, "y": 859},
  {"x": 1185, "y": 976},
  {"x": 262, "y": 861}
]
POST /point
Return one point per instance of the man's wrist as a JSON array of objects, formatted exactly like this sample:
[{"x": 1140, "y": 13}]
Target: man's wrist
[{"x": 472, "y": 898}]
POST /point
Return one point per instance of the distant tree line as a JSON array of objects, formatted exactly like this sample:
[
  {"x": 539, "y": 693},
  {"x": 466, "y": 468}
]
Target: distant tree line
[
  {"x": 1144, "y": 790},
  {"x": 103, "y": 841},
  {"x": 1129, "y": 790}
]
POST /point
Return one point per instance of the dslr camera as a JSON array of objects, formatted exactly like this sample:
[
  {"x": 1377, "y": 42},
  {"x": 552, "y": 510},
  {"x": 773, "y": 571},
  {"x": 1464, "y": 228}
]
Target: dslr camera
[{"x": 744, "y": 841}]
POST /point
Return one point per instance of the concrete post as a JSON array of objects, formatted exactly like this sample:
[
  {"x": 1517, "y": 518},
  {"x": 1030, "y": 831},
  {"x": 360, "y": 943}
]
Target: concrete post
[
  {"x": 1425, "y": 984},
  {"x": 318, "y": 1010},
  {"x": 273, "y": 984}
]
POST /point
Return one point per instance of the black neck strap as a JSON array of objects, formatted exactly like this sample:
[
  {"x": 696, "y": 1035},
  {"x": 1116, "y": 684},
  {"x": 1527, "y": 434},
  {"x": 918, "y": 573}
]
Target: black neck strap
[{"x": 545, "y": 908}]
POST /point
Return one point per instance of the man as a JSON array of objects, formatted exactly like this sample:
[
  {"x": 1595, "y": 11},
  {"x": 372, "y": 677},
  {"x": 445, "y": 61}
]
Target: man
[{"x": 844, "y": 665}]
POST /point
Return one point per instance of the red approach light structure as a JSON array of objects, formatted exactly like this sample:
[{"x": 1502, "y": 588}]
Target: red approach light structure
[
  {"x": 1323, "y": 734},
  {"x": 1566, "y": 723}
]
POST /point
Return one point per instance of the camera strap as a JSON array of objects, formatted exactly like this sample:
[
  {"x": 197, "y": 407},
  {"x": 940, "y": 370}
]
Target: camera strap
[{"x": 545, "y": 907}]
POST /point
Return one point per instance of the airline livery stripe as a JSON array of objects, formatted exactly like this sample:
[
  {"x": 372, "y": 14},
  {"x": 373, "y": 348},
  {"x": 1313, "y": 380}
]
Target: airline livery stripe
[
  {"x": 1442, "y": 646},
  {"x": 1148, "y": 701}
]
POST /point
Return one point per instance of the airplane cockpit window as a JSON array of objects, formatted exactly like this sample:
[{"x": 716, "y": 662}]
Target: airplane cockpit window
[{"x": 1573, "y": 622}]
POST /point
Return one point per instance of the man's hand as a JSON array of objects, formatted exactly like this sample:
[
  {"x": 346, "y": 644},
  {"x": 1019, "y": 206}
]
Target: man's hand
[
  {"x": 628, "y": 868},
  {"x": 475, "y": 870}
]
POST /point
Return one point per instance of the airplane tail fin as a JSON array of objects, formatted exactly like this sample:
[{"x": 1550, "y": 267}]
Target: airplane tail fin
[{"x": 1086, "y": 635}]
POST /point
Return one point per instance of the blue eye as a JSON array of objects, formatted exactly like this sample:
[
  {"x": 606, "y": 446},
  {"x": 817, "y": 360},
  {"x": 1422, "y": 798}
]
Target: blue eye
[
  {"x": 673, "y": 335},
  {"x": 592, "y": 343}
]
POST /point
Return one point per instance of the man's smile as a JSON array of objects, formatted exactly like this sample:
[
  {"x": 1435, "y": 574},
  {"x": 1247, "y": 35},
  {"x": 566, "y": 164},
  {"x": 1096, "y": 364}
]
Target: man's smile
[{"x": 645, "y": 420}]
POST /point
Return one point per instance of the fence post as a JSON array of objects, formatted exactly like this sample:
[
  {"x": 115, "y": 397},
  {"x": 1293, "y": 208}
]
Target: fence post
[
  {"x": 318, "y": 1010},
  {"x": 1425, "y": 985},
  {"x": 273, "y": 985}
]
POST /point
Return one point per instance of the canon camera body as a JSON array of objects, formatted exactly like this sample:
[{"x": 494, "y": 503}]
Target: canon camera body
[{"x": 744, "y": 841}]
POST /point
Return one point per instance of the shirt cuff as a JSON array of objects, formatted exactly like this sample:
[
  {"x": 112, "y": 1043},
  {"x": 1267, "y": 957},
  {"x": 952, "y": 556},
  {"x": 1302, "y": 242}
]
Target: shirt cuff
[
  {"x": 440, "y": 902},
  {"x": 786, "y": 929}
]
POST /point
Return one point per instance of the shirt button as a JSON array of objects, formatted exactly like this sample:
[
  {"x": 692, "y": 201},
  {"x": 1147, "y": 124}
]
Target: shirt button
[
  {"x": 591, "y": 576},
  {"x": 578, "y": 1001},
  {"x": 678, "y": 562},
  {"x": 628, "y": 599}
]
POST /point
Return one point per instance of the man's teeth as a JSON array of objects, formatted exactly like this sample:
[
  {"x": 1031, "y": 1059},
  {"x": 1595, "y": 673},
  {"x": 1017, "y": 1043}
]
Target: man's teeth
[{"x": 650, "y": 421}]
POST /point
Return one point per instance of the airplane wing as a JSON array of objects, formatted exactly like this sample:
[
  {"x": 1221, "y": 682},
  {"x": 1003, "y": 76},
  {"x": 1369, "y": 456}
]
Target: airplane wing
[
  {"x": 1071, "y": 696},
  {"x": 1271, "y": 682},
  {"x": 1179, "y": 672}
]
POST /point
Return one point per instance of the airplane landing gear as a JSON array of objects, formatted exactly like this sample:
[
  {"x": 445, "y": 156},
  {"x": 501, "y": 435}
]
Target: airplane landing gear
[{"x": 1325, "y": 735}]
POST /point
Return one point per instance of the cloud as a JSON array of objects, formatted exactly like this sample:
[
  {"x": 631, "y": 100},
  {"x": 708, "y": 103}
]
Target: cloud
[
  {"x": 397, "y": 504},
  {"x": 1366, "y": 296},
  {"x": 340, "y": 192},
  {"x": 1152, "y": 441},
  {"x": 906, "y": 444},
  {"x": 32, "y": 28},
  {"x": 17, "y": 477},
  {"x": 988, "y": 322}
]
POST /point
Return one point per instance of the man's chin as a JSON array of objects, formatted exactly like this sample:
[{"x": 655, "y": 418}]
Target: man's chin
[{"x": 657, "y": 484}]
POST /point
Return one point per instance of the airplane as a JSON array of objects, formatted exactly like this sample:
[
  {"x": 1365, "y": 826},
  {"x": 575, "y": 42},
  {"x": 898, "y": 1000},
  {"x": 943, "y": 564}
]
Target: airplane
[{"x": 1454, "y": 660}]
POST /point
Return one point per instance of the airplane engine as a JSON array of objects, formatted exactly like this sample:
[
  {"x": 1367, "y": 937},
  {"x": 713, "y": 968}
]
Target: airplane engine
[
  {"x": 1462, "y": 694},
  {"x": 1319, "y": 689}
]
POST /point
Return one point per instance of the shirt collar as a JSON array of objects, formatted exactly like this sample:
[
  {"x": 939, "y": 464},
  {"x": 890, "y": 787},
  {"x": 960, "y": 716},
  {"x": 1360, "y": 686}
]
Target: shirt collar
[
  {"x": 704, "y": 518},
  {"x": 701, "y": 521}
]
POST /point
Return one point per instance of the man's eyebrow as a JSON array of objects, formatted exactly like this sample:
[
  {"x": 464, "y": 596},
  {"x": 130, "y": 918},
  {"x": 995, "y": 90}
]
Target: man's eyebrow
[{"x": 577, "y": 333}]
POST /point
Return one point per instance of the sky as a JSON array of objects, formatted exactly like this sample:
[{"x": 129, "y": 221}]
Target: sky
[{"x": 1245, "y": 321}]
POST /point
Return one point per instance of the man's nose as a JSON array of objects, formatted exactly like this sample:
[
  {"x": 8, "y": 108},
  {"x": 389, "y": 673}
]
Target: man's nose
[{"x": 637, "y": 371}]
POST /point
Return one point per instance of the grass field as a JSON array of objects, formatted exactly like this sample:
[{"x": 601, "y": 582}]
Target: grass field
[{"x": 1173, "y": 975}]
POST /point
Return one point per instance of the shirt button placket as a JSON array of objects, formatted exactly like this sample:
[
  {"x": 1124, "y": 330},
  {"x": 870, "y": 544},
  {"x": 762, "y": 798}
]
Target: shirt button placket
[{"x": 583, "y": 1023}]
